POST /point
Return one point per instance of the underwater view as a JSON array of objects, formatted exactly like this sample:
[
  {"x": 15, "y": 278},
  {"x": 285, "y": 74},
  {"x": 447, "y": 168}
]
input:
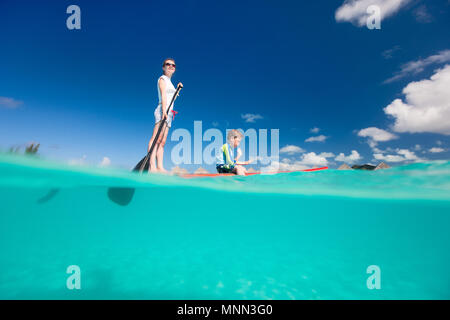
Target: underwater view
[{"x": 299, "y": 235}]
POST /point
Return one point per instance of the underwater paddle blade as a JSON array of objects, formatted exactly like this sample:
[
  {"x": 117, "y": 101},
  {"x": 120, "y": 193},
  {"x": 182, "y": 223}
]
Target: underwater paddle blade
[
  {"x": 50, "y": 195},
  {"x": 121, "y": 196}
]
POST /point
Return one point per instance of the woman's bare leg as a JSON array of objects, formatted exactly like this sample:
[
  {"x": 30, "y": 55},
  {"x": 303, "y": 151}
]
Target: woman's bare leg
[
  {"x": 160, "y": 151},
  {"x": 240, "y": 170},
  {"x": 151, "y": 167}
]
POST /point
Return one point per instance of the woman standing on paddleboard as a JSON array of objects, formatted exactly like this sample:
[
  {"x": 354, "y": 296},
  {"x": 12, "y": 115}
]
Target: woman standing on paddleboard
[{"x": 166, "y": 90}]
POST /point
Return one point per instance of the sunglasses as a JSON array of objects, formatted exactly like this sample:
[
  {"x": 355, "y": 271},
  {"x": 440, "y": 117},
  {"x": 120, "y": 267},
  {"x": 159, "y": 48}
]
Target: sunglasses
[{"x": 170, "y": 64}]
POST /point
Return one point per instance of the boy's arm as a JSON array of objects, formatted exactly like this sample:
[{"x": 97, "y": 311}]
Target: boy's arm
[
  {"x": 239, "y": 154},
  {"x": 243, "y": 163}
]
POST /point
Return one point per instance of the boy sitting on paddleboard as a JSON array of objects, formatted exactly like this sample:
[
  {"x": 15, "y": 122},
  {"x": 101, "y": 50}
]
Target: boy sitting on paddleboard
[{"x": 225, "y": 162}]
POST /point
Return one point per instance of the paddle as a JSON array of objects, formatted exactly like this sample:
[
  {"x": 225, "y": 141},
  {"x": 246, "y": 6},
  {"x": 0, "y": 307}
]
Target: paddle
[
  {"x": 123, "y": 196},
  {"x": 144, "y": 163}
]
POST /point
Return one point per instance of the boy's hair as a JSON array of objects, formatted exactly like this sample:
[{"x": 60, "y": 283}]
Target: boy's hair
[
  {"x": 168, "y": 59},
  {"x": 233, "y": 133}
]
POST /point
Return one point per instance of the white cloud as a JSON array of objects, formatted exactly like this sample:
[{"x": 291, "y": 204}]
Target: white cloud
[
  {"x": 427, "y": 107},
  {"x": 9, "y": 103},
  {"x": 415, "y": 67},
  {"x": 388, "y": 158},
  {"x": 354, "y": 156},
  {"x": 313, "y": 159},
  {"x": 306, "y": 161},
  {"x": 417, "y": 147},
  {"x": 78, "y": 162},
  {"x": 376, "y": 135},
  {"x": 401, "y": 156},
  {"x": 314, "y": 130},
  {"x": 326, "y": 154},
  {"x": 409, "y": 155},
  {"x": 373, "y": 146},
  {"x": 320, "y": 138},
  {"x": 387, "y": 54},
  {"x": 284, "y": 166},
  {"x": 291, "y": 149},
  {"x": 249, "y": 117},
  {"x": 436, "y": 150},
  {"x": 422, "y": 15},
  {"x": 439, "y": 142},
  {"x": 105, "y": 162},
  {"x": 355, "y": 11}
]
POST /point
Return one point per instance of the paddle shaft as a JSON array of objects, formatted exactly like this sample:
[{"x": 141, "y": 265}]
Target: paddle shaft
[{"x": 161, "y": 125}]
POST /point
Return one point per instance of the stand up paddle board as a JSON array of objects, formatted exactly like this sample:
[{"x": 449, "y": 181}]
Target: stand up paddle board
[{"x": 202, "y": 175}]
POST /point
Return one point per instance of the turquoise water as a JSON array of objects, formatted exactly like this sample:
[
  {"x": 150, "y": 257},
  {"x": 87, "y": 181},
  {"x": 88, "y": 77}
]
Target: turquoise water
[{"x": 288, "y": 236}]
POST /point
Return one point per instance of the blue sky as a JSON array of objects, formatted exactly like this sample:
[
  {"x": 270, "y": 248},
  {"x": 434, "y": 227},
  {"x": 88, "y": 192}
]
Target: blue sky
[{"x": 91, "y": 93}]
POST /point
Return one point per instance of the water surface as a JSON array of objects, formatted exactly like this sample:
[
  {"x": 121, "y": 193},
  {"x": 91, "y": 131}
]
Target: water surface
[{"x": 306, "y": 235}]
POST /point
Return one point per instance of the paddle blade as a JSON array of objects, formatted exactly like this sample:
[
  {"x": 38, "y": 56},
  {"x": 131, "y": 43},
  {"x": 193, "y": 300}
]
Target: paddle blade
[
  {"x": 52, "y": 193},
  {"x": 139, "y": 165},
  {"x": 121, "y": 196}
]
